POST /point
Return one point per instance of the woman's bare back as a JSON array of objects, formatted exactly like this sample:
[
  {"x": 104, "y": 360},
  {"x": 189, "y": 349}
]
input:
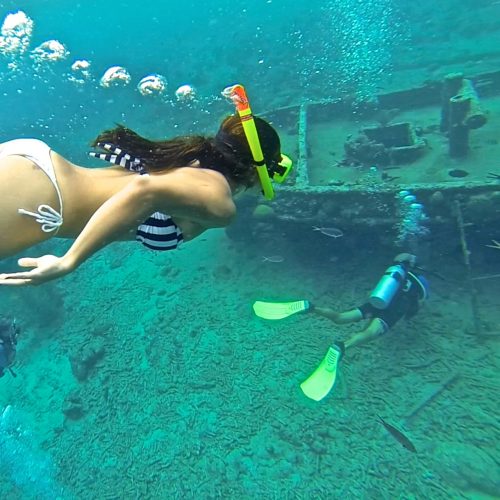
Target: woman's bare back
[{"x": 25, "y": 185}]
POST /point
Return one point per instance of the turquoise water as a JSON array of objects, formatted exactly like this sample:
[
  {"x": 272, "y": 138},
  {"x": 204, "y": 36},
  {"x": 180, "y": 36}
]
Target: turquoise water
[
  {"x": 147, "y": 375},
  {"x": 286, "y": 51}
]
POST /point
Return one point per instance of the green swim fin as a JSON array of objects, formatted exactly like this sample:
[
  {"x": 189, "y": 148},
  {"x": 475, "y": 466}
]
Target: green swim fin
[
  {"x": 322, "y": 380},
  {"x": 280, "y": 310}
]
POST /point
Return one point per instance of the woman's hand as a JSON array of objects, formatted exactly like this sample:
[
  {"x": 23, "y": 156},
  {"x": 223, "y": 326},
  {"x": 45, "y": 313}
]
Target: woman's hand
[{"x": 45, "y": 268}]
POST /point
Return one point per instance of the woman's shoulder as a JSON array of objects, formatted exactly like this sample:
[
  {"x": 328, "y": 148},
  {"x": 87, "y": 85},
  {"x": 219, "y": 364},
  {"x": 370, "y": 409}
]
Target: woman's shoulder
[
  {"x": 193, "y": 177},
  {"x": 196, "y": 194}
]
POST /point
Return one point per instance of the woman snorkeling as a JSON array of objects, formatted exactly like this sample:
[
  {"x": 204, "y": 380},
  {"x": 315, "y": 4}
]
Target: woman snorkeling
[{"x": 159, "y": 192}]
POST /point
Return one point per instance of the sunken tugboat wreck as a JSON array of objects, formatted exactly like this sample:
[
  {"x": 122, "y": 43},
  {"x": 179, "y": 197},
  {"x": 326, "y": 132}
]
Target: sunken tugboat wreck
[{"x": 436, "y": 142}]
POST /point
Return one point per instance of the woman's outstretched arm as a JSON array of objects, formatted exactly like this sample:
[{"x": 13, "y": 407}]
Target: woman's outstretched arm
[
  {"x": 207, "y": 203},
  {"x": 203, "y": 202},
  {"x": 109, "y": 223}
]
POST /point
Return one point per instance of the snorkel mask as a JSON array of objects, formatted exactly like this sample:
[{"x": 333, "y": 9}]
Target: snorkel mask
[{"x": 277, "y": 170}]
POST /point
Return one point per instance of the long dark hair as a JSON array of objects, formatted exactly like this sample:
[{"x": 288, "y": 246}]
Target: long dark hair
[{"x": 228, "y": 152}]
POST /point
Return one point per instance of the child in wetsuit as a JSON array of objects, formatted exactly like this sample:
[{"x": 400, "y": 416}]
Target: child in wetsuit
[
  {"x": 405, "y": 303},
  {"x": 398, "y": 294}
]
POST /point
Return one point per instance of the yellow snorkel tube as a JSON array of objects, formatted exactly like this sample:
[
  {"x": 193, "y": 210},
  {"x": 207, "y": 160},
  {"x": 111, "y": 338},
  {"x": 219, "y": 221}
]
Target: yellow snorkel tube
[{"x": 237, "y": 95}]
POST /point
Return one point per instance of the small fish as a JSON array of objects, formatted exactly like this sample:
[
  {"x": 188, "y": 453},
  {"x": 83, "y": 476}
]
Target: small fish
[
  {"x": 273, "y": 258},
  {"x": 398, "y": 435},
  {"x": 332, "y": 232}
]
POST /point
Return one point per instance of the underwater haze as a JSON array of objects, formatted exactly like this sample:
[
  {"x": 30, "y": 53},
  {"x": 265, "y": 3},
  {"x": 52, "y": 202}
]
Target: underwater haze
[
  {"x": 148, "y": 375},
  {"x": 284, "y": 52}
]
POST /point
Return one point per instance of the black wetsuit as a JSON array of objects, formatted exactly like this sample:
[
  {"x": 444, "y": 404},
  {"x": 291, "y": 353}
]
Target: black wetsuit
[{"x": 405, "y": 304}]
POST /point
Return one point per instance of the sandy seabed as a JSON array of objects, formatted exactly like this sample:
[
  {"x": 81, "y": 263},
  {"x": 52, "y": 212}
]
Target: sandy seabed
[{"x": 186, "y": 394}]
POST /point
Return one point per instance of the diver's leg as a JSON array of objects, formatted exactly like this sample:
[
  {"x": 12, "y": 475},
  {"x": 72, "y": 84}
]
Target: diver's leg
[
  {"x": 375, "y": 328},
  {"x": 341, "y": 318},
  {"x": 22, "y": 185},
  {"x": 322, "y": 380}
]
